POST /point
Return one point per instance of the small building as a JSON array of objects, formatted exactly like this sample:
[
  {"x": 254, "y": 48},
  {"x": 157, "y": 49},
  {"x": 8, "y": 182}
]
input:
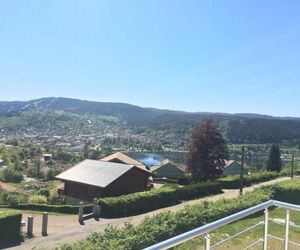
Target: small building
[
  {"x": 94, "y": 179},
  {"x": 47, "y": 157},
  {"x": 233, "y": 167},
  {"x": 124, "y": 159},
  {"x": 169, "y": 169}
]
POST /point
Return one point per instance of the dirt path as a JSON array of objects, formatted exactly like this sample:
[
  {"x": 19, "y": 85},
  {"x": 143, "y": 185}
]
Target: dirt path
[
  {"x": 66, "y": 229},
  {"x": 7, "y": 188}
]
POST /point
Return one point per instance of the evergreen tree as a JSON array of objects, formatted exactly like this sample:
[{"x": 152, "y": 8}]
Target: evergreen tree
[
  {"x": 38, "y": 167},
  {"x": 274, "y": 160},
  {"x": 207, "y": 152},
  {"x": 38, "y": 162},
  {"x": 86, "y": 150}
]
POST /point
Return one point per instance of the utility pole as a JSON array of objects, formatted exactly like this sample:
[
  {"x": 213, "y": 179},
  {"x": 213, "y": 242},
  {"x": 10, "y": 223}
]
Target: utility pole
[
  {"x": 242, "y": 171},
  {"x": 293, "y": 160}
]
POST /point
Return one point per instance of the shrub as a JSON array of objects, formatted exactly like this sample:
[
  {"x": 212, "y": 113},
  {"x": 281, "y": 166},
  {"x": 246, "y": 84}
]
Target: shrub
[
  {"x": 199, "y": 190},
  {"x": 51, "y": 173},
  {"x": 2, "y": 197},
  {"x": 287, "y": 191},
  {"x": 260, "y": 177},
  {"x": 64, "y": 209},
  {"x": 143, "y": 202},
  {"x": 233, "y": 182},
  {"x": 9, "y": 174},
  {"x": 10, "y": 225},
  {"x": 172, "y": 186},
  {"x": 13, "y": 199},
  {"x": 44, "y": 192},
  {"x": 132, "y": 204},
  {"x": 287, "y": 171},
  {"x": 167, "y": 224},
  {"x": 53, "y": 197},
  {"x": 37, "y": 199}
]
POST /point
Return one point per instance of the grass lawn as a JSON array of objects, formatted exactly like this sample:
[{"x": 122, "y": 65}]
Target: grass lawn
[
  {"x": 251, "y": 236},
  {"x": 32, "y": 211}
]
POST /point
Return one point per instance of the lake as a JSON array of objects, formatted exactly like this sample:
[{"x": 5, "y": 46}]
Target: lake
[{"x": 151, "y": 158}]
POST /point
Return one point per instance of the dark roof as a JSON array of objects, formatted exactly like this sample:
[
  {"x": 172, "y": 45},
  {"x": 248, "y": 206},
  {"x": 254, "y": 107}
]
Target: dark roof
[{"x": 95, "y": 173}]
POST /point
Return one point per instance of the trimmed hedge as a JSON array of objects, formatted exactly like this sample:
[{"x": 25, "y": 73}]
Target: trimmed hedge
[
  {"x": 64, "y": 209},
  {"x": 287, "y": 191},
  {"x": 10, "y": 226},
  {"x": 137, "y": 203},
  {"x": 233, "y": 182},
  {"x": 197, "y": 190},
  {"x": 142, "y": 202},
  {"x": 169, "y": 224}
]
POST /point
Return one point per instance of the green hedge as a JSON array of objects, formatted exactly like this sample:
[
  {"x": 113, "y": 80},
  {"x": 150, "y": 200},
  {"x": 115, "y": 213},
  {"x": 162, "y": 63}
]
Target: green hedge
[
  {"x": 168, "y": 224},
  {"x": 233, "y": 182},
  {"x": 143, "y": 202},
  {"x": 199, "y": 190},
  {"x": 64, "y": 209},
  {"x": 287, "y": 191},
  {"x": 137, "y": 203},
  {"x": 10, "y": 226}
]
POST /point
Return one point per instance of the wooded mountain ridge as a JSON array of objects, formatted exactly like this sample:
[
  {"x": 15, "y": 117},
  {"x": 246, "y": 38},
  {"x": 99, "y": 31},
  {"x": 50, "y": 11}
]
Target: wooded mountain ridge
[{"x": 238, "y": 128}]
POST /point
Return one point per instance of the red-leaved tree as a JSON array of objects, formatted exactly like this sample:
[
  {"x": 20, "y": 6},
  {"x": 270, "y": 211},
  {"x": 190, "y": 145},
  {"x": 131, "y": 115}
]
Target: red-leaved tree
[{"x": 207, "y": 152}]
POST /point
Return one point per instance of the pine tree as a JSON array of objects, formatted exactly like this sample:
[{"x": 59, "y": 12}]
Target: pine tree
[
  {"x": 274, "y": 160},
  {"x": 86, "y": 150},
  {"x": 207, "y": 152}
]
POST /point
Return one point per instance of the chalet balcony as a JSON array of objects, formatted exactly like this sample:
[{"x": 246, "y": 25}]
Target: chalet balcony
[{"x": 268, "y": 239}]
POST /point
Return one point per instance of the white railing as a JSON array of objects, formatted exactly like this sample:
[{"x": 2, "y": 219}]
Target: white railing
[{"x": 206, "y": 229}]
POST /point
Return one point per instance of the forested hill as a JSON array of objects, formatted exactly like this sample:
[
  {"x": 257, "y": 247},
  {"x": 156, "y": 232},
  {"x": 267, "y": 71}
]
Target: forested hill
[{"x": 65, "y": 115}]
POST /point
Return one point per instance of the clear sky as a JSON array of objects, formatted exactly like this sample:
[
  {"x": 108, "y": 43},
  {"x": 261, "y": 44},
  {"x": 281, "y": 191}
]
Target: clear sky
[{"x": 218, "y": 56}]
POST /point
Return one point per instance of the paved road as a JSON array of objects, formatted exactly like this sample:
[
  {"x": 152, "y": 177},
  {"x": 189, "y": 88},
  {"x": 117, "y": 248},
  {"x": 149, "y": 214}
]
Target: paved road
[{"x": 66, "y": 229}]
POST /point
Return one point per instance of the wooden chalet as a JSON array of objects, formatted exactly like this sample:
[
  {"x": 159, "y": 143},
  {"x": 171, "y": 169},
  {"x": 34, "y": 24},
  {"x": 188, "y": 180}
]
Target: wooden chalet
[
  {"x": 94, "y": 179},
  {"x": 169, "y": 169}
]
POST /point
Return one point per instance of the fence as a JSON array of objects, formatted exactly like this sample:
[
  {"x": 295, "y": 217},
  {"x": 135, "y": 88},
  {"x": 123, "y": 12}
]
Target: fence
[{"x": 206, "y": 229}]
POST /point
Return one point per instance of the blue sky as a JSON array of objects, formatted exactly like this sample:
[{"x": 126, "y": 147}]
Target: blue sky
[{"x": 218, "y": 56}]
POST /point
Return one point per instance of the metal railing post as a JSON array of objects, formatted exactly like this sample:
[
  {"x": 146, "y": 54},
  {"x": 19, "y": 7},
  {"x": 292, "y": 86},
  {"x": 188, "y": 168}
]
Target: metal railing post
[
  {"x": 266, "y": 229},
  {"x": 207, "y": 242},
  {"x": 286, "y": 236}
]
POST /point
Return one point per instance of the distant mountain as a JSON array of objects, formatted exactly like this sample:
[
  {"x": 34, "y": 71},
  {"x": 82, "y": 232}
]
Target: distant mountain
[
  {"x": 57, "y": 113},
  {"x": 132, "y": 114}
]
